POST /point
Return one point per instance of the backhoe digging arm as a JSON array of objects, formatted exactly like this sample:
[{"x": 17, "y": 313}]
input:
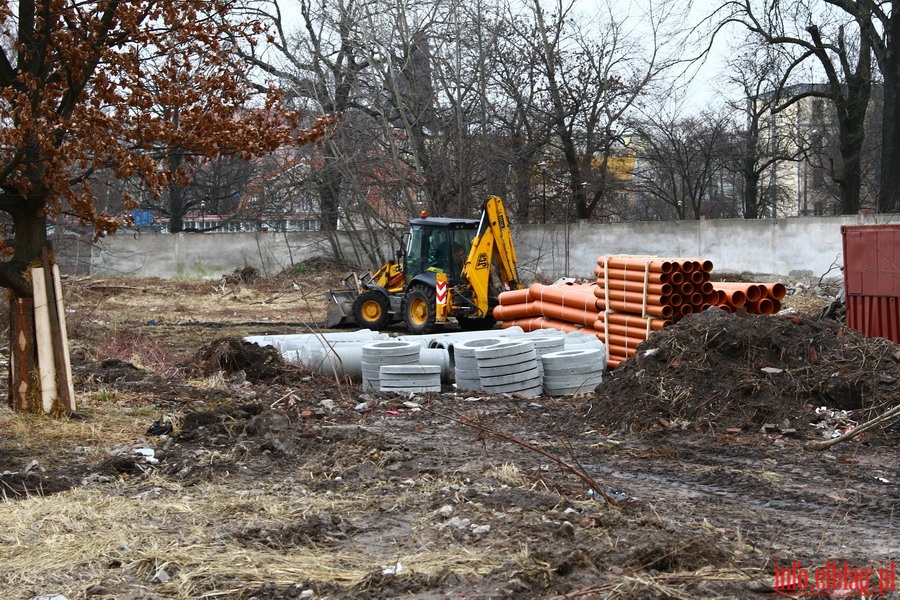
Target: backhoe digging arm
[{"x": 493, "y": 244}]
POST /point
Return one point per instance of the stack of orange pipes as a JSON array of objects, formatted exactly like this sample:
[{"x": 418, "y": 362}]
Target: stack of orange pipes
[
  {"x": 622, "y": 332},
  {"x": 755, "y": 298},
  {"x": 632, "y": 296},
  {"x": 566, "y": 307},
  {"x": 638, "y": 294}
]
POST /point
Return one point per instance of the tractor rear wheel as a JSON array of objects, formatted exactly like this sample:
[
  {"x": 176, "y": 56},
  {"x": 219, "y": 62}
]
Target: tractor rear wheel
[
  {"x": 370, "y": 309},
  {"x": 419, "y": 309}
]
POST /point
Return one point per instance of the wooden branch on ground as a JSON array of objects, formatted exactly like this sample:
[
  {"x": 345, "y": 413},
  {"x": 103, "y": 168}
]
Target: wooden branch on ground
[
  {"x": 587, "y": 479},
  {"x": 882, "y": 419},
  {"x": 109, "y": 286}
]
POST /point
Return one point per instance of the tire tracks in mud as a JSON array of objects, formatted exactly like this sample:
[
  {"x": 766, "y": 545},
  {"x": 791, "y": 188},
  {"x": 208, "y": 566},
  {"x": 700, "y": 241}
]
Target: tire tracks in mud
[
  {"x": 794, "y": 503},
  {"x": 785, "y": 501}
]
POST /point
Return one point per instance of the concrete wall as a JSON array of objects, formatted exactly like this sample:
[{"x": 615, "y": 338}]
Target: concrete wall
[
  {"x": 795, "y": 248},
  {"x": 800, "y": 248},
  {"x": 197, "y": 255}
]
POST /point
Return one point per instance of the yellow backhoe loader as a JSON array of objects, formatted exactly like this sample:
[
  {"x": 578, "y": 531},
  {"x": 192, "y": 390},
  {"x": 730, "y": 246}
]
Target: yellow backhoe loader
[{"x": 450, "y": 268}]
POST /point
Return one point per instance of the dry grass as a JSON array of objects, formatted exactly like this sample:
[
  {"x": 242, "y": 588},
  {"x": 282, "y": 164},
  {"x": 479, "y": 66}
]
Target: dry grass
[
  {"x": 507, "y": 473},
  {"x": 144, "y": 300},
  {"x": 101, "y": 425},
  {"x": 68, "y": 541},
  {"x": 640, "y": 586}
]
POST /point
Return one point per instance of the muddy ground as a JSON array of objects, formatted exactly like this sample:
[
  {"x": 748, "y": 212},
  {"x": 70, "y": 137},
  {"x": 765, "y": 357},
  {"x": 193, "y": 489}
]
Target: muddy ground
[{"x": 202, "y": 468}]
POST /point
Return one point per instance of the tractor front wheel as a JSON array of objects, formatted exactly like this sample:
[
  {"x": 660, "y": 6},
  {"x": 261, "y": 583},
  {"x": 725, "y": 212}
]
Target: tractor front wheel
[
  {"x": 370, "y": 309},
  {"x": 419, "y": 309}
]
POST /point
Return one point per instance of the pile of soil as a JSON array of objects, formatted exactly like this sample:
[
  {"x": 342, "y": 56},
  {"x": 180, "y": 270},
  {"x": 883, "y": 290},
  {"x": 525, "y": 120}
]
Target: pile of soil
[
  {"x": 250, "y": 361},
  {"x": 718, "y": 370},
  {"x": 246, "y": 275}
]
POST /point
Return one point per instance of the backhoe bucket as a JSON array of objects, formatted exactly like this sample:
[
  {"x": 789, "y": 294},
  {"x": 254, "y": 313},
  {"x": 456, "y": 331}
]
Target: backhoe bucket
[{"x": 340, "y": 308}]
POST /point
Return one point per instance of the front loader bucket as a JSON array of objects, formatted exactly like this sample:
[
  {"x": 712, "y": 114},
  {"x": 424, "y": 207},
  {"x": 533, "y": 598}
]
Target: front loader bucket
[{"x": 340, "y": 308}]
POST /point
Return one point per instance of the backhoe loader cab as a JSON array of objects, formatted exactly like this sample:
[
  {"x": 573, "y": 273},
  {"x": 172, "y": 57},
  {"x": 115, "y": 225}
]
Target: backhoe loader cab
[
  {"x": 450, "y": 268},
  {"x": 439, "y": 245}
]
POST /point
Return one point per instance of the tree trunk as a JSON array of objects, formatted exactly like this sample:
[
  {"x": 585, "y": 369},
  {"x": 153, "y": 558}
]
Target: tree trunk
[
  {"x": 751, "y": 189},
  {"x": 31, "y": 237},
  {"x": 176, "y": 208},
  {"x": 853, "y": 127},
  {"x": 889, "y": 187},
  {"x": 329, "y": 195},
  {"x": 851, "y": 182},
  {"x": 523, "y": 192},
  {"x": 23, "y": 394}
]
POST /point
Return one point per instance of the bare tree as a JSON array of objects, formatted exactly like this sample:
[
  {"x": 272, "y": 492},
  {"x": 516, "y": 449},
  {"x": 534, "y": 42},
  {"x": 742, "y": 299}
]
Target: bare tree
[
  {"x": 756, "y": 150},
  {"x": 521, "y": 133},
  {"x": 879, "y": 27},
  {"x": 431, "y": 62},
  {"x": 811, "y": 32},
  {"x": 593, "y": 74},
  {"x": 681, "y": 158}
]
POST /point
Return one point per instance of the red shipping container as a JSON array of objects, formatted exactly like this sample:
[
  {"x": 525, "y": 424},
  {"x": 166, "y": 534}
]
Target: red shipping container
[{"x": 872, "y": 279}]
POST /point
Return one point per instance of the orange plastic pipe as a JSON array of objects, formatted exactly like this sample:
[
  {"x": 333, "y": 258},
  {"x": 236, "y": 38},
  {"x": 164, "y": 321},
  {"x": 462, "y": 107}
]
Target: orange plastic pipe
[
  {"x": 508, "y": 312},
  {"x": 531, "y": 324},
  {"x": 633, "y": 332},
  {"x": 631, "y": 320},
  {"x": 581, "y": 297},
  {"x": 620, "y": 351},
  {"x": 676, "y": 278},
  {"x": 632, "y": 275},
  {"x": 707, "y": 288},
  {"x": 622, "y": 340},
  {"x": 636, "y": 297},
  {"x": 706, "y": 266},
  {"x": 765, "y": 307},
  {"x": 686, "y": 288},
  {"x": 658, "y": 310},
  {"x": 629, "y": 262},
  {"x": 536, "y": 323},
  {"x": 775, "y": 291},
  {"x": 699, "y": 277},
  {"x": 695, "y": 299},
  {"x": 753, "y": 293},
  {"x": 733, "y": 298},
  {"x": 726, "y": 307},
  {"x": 663, "y": 289},
  {"x": 513, "y": 297},
  {"x": 685, "y": 265},
  {"x": 564, "y": 313},
  {"x": 752, "y": 307}
]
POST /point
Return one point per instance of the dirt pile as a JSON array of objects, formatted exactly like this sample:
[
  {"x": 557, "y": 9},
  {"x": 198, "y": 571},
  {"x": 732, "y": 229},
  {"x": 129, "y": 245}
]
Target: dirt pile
[
  {"x": 246, "y": 360},
  {"x": 715, "y": 370}
]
